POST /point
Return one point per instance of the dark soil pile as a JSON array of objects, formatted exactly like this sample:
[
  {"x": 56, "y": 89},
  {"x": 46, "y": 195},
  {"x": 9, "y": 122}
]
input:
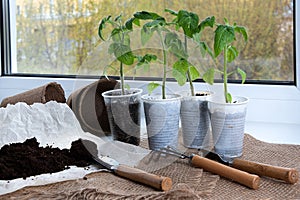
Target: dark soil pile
[
  {"x": 134, "y": 132},
  {"x": 21, "y": 160}
]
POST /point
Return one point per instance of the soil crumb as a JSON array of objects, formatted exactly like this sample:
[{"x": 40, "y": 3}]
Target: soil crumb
[{"x": 21, "y": 160}]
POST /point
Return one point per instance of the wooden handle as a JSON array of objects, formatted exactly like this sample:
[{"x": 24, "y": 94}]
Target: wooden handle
[
  {"x": 288, "y": 175},
  {"x": 244, "y": 178},
  {"x": 134, "y": 174}
]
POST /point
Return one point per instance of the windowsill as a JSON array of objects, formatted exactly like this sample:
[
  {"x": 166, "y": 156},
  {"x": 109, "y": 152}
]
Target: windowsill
[
  {"x": 280, "y": 133},
  {"x": 272, "y": 116}
]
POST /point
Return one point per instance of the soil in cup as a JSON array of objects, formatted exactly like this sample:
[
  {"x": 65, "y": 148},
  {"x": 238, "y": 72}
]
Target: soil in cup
[{"x": 132, "y": 133}]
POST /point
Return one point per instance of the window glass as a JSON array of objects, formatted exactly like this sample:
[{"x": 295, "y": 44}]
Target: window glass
[{"x": 61, "y": 37}]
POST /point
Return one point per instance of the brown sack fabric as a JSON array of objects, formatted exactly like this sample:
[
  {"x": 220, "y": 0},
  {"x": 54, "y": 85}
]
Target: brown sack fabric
[
  {"x": 188, "y": 182},
  {"x": 88, "y": 105},
  {"x": 51, "y": 91}
]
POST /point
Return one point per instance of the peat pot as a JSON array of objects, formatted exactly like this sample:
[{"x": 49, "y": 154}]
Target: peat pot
[
  {"x": 124, "y": 114},
  {"x": 195, "y": 120},
  {"x": 162, "y": 120},
  {"x": 228, "y": 125}
]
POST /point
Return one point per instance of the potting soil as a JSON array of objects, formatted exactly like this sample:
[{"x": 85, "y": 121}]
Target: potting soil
[{"x": 21, "y": 160}]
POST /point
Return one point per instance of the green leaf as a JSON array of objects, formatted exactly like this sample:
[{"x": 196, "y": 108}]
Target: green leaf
[
  {"x": 118, "y": 18},
  {"x": 228, "y": 98},
  {"x": 207, "y": 22},
  {"x": 111, "y": 48},
  {"x": 226, "y": 21},
  {"x": 224, "y": 35},
  {"x": 146, "y": 59},
  {"x": 188, "y": 21},
  {"x": 172, "y": 12},
  {"x": 127, "y": 86},
  {"x": 209, "y": 76},
  {"x": 136, "y": 22},
  {"x": 242, "y": 30},
  {"x": 242, "y": 74},
  {"x": 155, "y": 23},
  {"x": 126, "y": 58},
  {"x": 204, "y": 48},
  {"x": 142, "y": 63},
  {"x": 152, "y": 86},
  {"x": 175, "y": 46},
  {"x": 102, "y": 26},
  {"x": 145, "y": 15},
  {"x": 196, "y": 38},
  {"x": 131, "y": 21},
  {"x": 122, "y": 52},
  {"x": 232, "y": 53},
  {"x": 179, "y": 70},
  {"x": 146, "y": 34},
  {"x": 116, "y": 35},
  {"x": 194, "y": 73},
  {"x": 128, "y": 23},
  {"x": 126, "y": 39}
]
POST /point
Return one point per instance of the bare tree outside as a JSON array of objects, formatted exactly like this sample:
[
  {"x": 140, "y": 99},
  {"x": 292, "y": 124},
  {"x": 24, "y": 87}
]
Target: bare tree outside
[{"x": 60, "y": 37}]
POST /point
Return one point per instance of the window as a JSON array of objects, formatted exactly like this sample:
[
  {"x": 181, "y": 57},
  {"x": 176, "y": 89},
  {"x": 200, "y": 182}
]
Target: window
[{"x": 60, "y": 37}]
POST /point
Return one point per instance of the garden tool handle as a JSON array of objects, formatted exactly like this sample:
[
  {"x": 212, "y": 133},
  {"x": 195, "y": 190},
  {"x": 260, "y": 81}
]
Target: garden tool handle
[
  {"x": 289, "y": 175},
  {"x": 158, "y": 182},
  {"x": 244, "y": 178}
]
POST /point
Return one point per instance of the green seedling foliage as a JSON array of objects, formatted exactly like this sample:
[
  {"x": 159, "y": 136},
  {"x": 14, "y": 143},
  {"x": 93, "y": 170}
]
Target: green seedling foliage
[
  {"x": 152, "y": 86},
  {"x": 154, "y": 23},
  {"x": 189, "y": 22},
  {"x": 120, "y": 45},
  {"x": 144, "y": 61},
  {"x": 179, "y": 71},
  {"x": 225, "y": 35}
]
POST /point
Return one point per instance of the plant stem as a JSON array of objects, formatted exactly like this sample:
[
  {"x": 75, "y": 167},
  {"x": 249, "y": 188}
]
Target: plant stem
[
  {"x": 122, "y": 78},
  {"x": 121, "y": 67},
  {"x": 189, "y": 72},
  {"x": 165, "y": 66},
  {"x": 225, "y": 75}
]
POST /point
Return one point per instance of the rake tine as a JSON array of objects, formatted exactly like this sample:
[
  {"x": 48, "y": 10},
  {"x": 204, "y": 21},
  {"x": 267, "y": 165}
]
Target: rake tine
[{"x": 172, "y": 151}]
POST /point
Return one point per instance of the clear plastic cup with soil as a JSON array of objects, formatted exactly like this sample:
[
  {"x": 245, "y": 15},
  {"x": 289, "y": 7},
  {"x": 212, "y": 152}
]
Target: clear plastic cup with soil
[
  {"x": 124, "y": 114},
  {"x": 228, "y": 124},
  {"x": 195, "y": 120},
  {"x": 162, "y": 120}
]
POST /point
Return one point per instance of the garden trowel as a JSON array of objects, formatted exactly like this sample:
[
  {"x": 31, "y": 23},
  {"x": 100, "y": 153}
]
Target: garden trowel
[{"x": 117, "y": 149}]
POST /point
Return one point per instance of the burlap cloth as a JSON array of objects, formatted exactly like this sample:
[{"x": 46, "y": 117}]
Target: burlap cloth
[
  {"x": 49, "y": 92},
  {"x": 188, "y": 182}
]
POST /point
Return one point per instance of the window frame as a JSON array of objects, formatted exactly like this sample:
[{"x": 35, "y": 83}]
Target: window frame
[{"x": 10, "y": 32}]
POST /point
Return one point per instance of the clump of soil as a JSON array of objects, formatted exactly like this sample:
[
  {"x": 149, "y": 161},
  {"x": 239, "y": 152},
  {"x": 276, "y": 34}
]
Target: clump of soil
[
  {"x": 132, "y": 134},
  {"x": 21, "y": 160},
  {"x": 200, "y": 94}
]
